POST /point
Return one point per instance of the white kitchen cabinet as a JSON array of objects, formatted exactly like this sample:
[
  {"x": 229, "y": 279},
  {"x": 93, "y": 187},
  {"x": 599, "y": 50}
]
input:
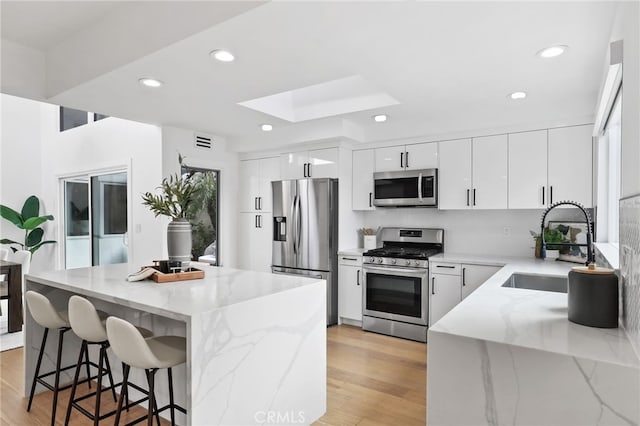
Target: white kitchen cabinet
[
  {"x": 316, "y": 163},
  {"x": 362, "y": 179},
  {"x": 475, "y": 275},
  {"x": 444, "y": 294},
  {"x": 473, "y": 173},
  {"x": 254, "y": 237},
  {"x": 489, "y": 172},
  {"x": 570, "y": 165},
  {"x": 528, "y": 170},
  {"x": 350, "y": 287},
  {"x": 454, "y": 174},
  {"x": 255, "y": 183},
  {"x": 407, "y": 157}
]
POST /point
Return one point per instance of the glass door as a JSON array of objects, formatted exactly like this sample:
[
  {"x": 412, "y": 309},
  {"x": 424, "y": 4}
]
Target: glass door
[
  {"x": 203, "y": 215},
  {"x": 95, "y": 225}
]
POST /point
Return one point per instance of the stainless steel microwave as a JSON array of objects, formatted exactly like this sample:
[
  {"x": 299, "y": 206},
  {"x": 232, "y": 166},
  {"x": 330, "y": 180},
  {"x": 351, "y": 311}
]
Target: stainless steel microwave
[{"x": 406, "y": 188}]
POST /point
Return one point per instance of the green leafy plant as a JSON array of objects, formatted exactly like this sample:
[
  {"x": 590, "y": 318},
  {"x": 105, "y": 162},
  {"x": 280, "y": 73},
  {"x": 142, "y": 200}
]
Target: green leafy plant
[
  {"x": 176, "y": 195},
  {"x": 553, "y": 236},
  {"x": 28, "y": 220}
]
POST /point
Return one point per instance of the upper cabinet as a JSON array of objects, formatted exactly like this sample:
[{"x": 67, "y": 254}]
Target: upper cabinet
[
  {"x": 528, "y": 170},
  {"x": 407, "y": 157},
  {"x": 362, "y": 169},
  {"x": 570, "y": 162},
  {"x": 255, "y": 183},
  {"x": 316, "y": 163},
  {"x": 550, "y": 166},
  {"x": 473, "y": 173}
]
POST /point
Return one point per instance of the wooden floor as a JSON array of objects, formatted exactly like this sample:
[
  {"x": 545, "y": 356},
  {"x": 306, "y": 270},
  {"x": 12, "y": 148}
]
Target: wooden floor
[{"x": 371, "y": 380}]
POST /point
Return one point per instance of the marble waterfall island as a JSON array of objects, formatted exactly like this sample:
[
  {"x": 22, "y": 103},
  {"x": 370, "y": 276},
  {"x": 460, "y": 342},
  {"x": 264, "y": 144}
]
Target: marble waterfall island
[{"x": 256, "y": 342}]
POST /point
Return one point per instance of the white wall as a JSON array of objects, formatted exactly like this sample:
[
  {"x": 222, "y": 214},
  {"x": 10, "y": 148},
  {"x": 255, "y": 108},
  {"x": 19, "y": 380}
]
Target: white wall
[
  {"x": 176, "y": 140},
  {"x": 107, "y": 143},
  {"x": 20, "y": 167}
]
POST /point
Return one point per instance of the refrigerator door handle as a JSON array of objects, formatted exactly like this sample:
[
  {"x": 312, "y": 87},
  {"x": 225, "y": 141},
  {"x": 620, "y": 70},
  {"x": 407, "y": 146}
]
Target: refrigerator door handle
[
  {"x": 298, "y": 226},
  {"x": 294, "y": 215}
]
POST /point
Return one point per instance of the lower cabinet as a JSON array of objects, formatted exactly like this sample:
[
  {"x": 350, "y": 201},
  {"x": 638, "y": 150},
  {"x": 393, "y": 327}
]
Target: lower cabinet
[
  {"x": 450, "y": 283},
  {"x": 255, "y": 234},
  {"x": 349, "y": 288},
  {"x": 474, "y": 275}
]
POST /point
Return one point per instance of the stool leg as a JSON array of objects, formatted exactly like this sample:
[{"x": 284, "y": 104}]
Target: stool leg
[
  {"x": 106, "y": 359},
  {"x": 173, "y": 413},
  {"x": 96, "y": 415},
  {"x": 125, "y": 388},
  {"x": 86, "y": 360},
  {"x": 152, "y": 397},
  {"x": 57, "y": 377},
  {"x": 35, "y": 376},
  {"x": 125, "y": 378},
  {"x": 83, "y": 349}
]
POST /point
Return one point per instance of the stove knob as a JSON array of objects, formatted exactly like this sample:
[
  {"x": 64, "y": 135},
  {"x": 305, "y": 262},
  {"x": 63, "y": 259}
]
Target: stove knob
[
  {"x": 417, "y": 263},
  {"x": 372, "y": 259},
  {"x": 379, "y": 260},
  {"x": 408, "y": 262},
  {"x": 393, "y": 261}
]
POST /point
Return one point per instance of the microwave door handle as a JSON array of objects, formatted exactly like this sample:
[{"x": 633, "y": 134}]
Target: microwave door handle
[{"x": 420, "y": 186}]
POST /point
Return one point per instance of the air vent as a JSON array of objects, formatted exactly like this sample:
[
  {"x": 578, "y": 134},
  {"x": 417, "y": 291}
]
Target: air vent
[{"x": 203, "y": 141}]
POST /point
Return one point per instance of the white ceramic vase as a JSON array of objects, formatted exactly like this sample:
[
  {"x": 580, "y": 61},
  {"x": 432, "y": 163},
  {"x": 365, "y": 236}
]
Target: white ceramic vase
[{"x": 179, "y": 240}]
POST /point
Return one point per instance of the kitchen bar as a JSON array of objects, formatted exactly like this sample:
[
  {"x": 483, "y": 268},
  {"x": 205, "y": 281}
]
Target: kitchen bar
[{"x": 256, "y": 342}]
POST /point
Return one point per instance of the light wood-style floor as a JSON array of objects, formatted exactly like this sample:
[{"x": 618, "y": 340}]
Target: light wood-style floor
[{"x": 371, "y": 380}]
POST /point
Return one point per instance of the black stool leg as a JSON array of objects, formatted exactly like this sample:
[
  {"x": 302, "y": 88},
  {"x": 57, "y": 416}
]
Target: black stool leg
[
  {"x": 83, "y": 349},
  {"x": 125, "y": 388},
  {"x": 57, "y": 377},
  {"x": 86, "y": 360},
  {"x": 96, "y": 415},
  {"x": 108, "y": 366},
  {"x": 35, "y": 376},
  {"x": 152, "y": 397},
  {"x": 173, "y": 413},
  {"x": 125, "y": 378}
]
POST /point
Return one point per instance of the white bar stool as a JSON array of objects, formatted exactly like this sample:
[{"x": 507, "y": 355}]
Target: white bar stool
[
  {"x": 87, "y": 325},
  {"x": 149, "y": 354},
  {"x": 48, "y": 317}
]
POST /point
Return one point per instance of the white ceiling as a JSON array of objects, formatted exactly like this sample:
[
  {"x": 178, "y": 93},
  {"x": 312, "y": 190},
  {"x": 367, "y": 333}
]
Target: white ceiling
[{"x": 450, "y": 65}]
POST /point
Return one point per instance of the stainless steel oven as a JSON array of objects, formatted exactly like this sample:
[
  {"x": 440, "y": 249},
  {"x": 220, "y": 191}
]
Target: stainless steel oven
[{"x": 395, "y": 297}]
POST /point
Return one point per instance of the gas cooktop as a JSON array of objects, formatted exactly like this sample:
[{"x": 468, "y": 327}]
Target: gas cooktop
[{"x": 403, "y": 252}]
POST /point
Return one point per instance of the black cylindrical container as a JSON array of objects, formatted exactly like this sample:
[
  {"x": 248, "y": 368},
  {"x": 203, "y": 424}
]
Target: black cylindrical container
[{"x": 593, "y": 297}]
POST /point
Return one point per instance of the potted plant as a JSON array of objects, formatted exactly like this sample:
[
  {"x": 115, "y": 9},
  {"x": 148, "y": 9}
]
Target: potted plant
[
  {"x": 176, "y": 194},
  {"x": 29, "y": 220},
  {"x": 553, "y": 236}
]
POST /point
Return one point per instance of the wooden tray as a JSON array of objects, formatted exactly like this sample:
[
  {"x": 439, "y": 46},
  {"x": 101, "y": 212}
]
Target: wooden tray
[{"x": 191, "y": 274}]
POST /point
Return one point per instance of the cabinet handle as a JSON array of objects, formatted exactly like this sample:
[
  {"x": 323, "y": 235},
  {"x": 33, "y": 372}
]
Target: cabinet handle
[
  {"x": 259, "y": 221},
  {"x": 467, "y": 198},
  {"x": 433, "y": 285},
  {"x": 256, "y": 221},
  {"x": 304, "y": 170},
  {"x": 350, "y": 258},
  {"x": 255, "y": 203},
  {"x": 358, "y": 277},
  {"x": 463, "y": 277},
  {"x": 259, "y": 203},
  {"x": 474, "y": 196},
  {"x": 550, "y": 194},
  {"x": 406, "y": 159},
  {"x": 445, "y": 266},
  {"x": 543, "y": 195},
  {"x": 401, "y": 159},
  {"x": 370, "y": 196},
  {"x": 308, "y": 169}
]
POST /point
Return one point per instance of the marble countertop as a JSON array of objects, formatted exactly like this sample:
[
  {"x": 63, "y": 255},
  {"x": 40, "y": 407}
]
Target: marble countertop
[
  {"x": 351, "y": 252},
  {"x": 220, "y": 287},
  {"x": 530, "y": 318}
]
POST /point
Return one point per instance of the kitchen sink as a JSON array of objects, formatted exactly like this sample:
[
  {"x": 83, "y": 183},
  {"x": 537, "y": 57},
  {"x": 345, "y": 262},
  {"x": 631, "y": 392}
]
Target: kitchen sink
[{"x": 537, "y": 282}]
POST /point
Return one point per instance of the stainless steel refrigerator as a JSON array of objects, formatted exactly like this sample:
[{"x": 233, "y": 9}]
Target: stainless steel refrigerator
[{"x": 305, "y": 233}]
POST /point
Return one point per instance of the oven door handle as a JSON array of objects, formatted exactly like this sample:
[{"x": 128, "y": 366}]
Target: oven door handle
[
  {"x": 400, "y": 271},
  {"x": 420, "y": 186}
]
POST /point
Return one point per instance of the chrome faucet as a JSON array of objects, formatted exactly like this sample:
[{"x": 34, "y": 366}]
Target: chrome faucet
[{"x": 591, "y": 258}]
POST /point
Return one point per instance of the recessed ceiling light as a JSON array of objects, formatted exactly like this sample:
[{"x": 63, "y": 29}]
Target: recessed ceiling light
[
  {"x": 553, "y": 51},
  {"x": 150, "y": 82},
  {"x": 380, "y": 118},
  {"x": 266, "y": 127},
  {"x": 222, "y": 55},
  {"x": 518, "y": 95}
]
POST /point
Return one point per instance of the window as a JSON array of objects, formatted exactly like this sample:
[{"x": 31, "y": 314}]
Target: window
[
  {"x": 609, "y": 166},
  {"x": 70, "y": 118},
  {"x": 203, "y": 215}
]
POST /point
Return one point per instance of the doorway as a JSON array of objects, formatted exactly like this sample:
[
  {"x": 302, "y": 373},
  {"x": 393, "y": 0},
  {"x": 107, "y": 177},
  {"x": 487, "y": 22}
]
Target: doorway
[
  {"x": 203, "y": 214},
  {"x": 95, "y": 219}
]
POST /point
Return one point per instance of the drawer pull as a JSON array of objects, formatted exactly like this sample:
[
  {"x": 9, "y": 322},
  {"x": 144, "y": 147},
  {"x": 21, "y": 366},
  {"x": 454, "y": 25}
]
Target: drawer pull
[
  {"x": 350, "y": 258},
  {"x": 445, "y": 266}
]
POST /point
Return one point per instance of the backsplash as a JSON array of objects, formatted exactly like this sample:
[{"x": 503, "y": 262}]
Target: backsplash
[{"x": 630, "y": 267}]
